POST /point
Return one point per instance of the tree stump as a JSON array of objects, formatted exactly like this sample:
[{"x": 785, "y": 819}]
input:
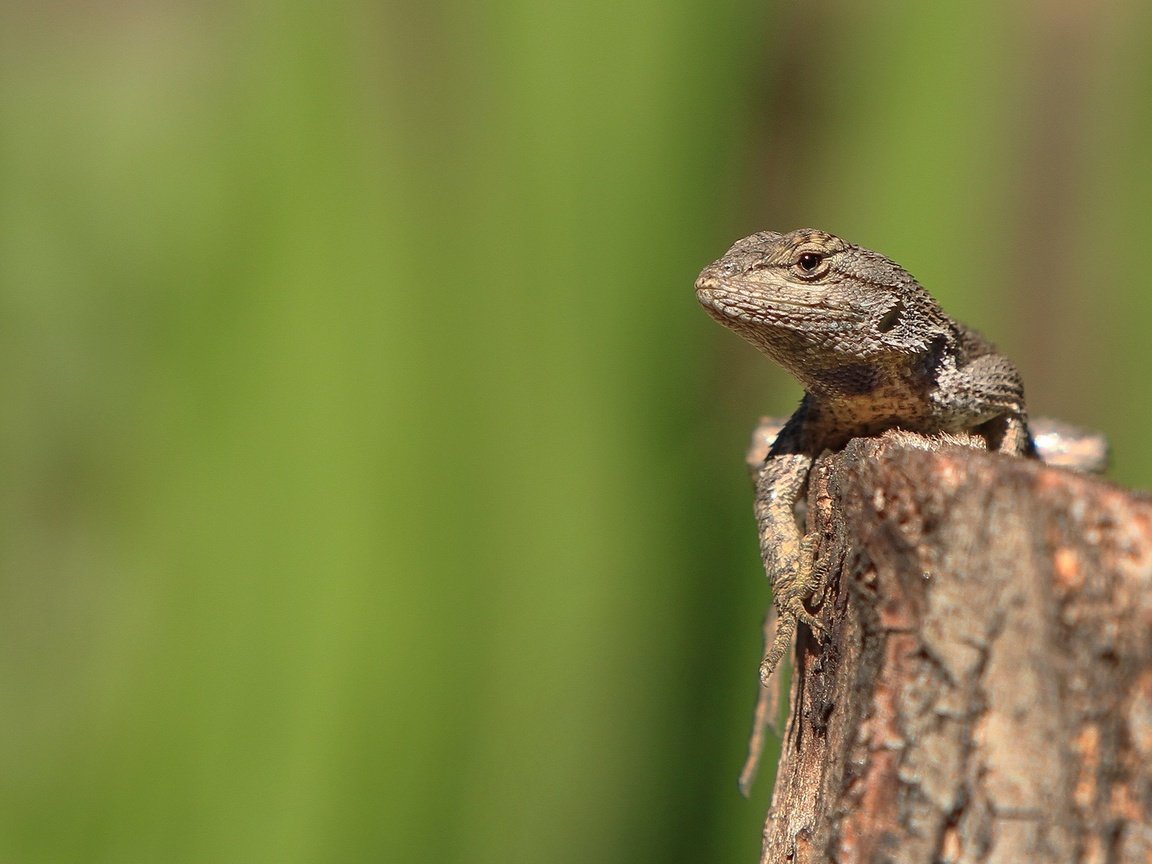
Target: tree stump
[{"x": 984, "y": 692}]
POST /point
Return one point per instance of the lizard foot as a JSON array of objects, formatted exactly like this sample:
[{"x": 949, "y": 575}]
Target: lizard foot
[
  {"x": 795, "y": 609},
  {"x": 807, "y": 580}
]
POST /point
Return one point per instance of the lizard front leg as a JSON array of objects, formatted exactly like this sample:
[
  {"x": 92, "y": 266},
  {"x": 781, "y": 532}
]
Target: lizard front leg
[
  {"x": 987, "y": 395},
  {"x": 788, "y": 555}
]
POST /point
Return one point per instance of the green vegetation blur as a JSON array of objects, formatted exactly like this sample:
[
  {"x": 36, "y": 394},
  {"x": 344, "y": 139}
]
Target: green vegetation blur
[{"x": 373, "y": 486}]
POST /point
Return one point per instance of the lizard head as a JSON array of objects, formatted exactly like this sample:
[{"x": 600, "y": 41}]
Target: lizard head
[{"x": 820, "y": 307}]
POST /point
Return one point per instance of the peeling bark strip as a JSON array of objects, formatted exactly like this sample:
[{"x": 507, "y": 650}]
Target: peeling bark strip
[{"x": 985, "y": 692}]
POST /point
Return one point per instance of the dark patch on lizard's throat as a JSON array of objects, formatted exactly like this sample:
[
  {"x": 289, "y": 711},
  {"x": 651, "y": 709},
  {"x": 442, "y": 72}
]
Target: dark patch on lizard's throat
[
  {"x": 891, "y": 317},
  {"x": 848, "y": 379}
]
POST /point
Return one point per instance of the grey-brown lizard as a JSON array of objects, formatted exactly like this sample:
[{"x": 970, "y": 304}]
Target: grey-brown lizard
[{"x": 873, "y": 352}]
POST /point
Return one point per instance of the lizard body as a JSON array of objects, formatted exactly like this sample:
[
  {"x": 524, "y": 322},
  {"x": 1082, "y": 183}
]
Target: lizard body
[{"x": 873, "y": 351}]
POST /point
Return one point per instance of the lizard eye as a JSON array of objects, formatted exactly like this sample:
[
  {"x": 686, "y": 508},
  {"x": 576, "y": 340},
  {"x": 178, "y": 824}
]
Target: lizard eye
[{"x": 809, "y": 262}]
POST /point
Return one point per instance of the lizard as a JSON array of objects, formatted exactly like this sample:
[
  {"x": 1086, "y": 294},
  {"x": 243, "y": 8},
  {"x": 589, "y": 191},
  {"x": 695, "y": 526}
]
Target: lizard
[{"x": 873, "y": 352}]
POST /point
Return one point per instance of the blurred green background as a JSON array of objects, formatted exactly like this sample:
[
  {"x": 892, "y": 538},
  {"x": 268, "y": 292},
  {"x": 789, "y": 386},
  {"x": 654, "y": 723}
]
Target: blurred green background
[{"x": 373, "y": 486}]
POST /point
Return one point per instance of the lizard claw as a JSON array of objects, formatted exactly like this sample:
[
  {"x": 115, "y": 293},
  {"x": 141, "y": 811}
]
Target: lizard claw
[{"x": 796, "y": 608}]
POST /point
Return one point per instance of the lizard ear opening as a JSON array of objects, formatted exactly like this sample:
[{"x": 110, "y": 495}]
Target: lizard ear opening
[{"x": 891, "y": 318}]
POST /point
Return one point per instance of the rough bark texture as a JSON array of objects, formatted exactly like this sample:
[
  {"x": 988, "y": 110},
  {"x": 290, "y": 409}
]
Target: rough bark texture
[{"x": 984, "y": 693}]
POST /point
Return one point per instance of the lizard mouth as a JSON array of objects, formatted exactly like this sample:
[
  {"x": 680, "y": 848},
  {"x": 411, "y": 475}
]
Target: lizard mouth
[{"x": 721, "y": 302}]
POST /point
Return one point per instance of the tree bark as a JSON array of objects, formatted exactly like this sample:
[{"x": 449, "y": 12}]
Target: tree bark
[{"x": 984, "y": 691}]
